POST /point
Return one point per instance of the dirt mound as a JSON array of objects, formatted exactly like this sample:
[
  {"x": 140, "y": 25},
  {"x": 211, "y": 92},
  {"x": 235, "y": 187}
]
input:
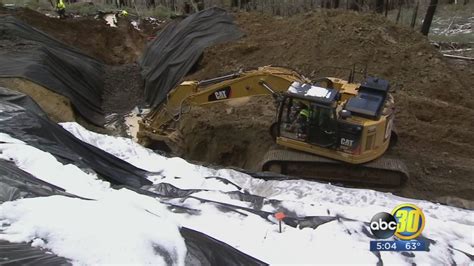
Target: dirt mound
[
  {"x": 434, "y": 111},
  {"x": 93, "y": 36}
]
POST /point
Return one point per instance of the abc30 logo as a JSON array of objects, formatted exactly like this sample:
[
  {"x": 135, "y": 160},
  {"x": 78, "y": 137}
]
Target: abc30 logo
[{"x": 406, "y": 222}]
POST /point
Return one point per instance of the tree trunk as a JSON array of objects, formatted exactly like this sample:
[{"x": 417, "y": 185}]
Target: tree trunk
[
  {"x": 425, "y": 28},
  {"x": 357, "y": 5},
  {"x": 379, "y": 6},
  {"x": 415, "y": 13},
  {"x": 399, "y": 11}
]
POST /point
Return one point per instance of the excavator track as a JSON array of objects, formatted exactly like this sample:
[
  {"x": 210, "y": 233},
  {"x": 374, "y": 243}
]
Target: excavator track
[{"x": 387, "y": 172}]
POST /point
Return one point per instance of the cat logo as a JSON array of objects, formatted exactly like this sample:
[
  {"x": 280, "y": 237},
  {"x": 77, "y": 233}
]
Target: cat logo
[
  {"x": 347, "y": 142},
  {"x": 220, "y": 94}
]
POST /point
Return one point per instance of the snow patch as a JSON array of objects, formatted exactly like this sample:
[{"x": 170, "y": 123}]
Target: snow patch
[{"x": 93, "y": 232}]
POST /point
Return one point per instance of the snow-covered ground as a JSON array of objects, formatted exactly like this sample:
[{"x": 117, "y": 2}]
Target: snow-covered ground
[{"x": 123, "y": 226}]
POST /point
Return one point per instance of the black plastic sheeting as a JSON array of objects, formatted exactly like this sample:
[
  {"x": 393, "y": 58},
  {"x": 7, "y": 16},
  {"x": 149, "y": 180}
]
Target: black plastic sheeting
[
  {"x": 178, "y": 47},
  {"x": 205, "y": 250},
  {"x": 21, "y": 119},
  {"x": 202, "y": 250},
  {"x": 20, "y": 99},
  {"x": 16, "y": 184},
  {"x": 257, "y": 204},
  {"x": 31, "y": 54},
  {"x": 25, "y": 254}
]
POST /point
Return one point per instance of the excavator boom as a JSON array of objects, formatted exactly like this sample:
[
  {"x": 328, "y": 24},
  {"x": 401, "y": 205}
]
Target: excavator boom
[{"x": 262, "y": 81}]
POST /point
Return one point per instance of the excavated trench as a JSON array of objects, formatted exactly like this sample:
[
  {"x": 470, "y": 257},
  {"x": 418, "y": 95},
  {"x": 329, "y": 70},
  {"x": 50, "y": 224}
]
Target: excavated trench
[{"x": 235, "y": 133}]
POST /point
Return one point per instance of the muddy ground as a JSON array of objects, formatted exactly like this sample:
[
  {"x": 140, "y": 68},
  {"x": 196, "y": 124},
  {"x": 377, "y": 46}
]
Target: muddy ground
[{"x": 434, "y": 111}]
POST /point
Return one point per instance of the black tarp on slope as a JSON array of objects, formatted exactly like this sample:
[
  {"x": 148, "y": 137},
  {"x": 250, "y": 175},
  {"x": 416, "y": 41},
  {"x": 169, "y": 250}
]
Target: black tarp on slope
[
  {"x": 20, "y": 118},
  {"x": 205, "y": 250},
  {"x": 202, "y": 250},
  {"x": 25, "y": 254},
  {"x": 31, "y": 54},
  {"x": 178, "y": 47}
]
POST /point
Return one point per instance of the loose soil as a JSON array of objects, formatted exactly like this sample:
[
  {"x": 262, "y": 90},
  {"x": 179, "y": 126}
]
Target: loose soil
[{"x": 434, "y": 110}]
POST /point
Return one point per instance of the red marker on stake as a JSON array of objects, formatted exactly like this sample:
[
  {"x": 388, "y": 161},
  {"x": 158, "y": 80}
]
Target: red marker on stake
[{"x": 280, "y": 216}]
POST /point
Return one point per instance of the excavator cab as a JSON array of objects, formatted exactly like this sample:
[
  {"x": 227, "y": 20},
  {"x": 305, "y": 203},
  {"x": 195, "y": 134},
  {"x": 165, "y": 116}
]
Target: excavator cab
[{"x": 307, "y": 113}]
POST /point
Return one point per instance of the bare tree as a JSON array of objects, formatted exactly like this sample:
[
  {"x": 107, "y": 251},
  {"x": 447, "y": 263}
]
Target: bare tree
[
  {"x": 415, "y": 14},
  {"x": 399, "y": 11},
  {"x": 425, "y": 28}
]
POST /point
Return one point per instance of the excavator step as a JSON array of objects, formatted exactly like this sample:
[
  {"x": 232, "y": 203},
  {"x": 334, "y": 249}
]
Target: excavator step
[{"x": 384, "y": 171}]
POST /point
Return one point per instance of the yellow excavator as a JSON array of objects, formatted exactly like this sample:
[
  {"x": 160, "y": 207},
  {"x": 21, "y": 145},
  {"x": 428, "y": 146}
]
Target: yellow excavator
[{"x": 327, "y": 129}]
